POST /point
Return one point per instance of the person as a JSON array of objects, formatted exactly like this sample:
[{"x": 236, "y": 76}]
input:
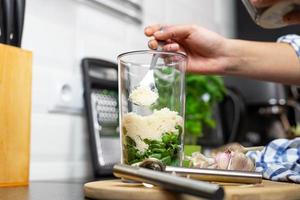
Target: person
[{"x": 211, "y": 53}]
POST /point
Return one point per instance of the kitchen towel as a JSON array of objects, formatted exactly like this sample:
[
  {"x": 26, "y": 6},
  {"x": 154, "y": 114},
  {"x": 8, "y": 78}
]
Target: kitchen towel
[
  {"x": 279, "y": 160},
  {"x": 293, "y": 40}
]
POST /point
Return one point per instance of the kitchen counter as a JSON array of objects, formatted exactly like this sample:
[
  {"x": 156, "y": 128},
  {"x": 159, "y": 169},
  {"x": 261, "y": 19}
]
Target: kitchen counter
[
  {"x": 73, "y": 190},
  {"x": 45, "y": 191}
]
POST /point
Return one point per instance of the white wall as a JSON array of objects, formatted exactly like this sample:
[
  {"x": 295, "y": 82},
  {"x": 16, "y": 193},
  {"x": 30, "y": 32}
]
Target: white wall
[{"x": 60, "y": 33}]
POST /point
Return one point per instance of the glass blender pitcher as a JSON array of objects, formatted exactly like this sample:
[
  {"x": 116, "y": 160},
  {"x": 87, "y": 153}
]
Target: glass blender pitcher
[{"x": 151, "y": 106}]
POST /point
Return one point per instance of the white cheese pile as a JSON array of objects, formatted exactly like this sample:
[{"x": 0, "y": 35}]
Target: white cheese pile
[
  {"x": 143, "y": 96},
  {"x": 152, "y": 126}
]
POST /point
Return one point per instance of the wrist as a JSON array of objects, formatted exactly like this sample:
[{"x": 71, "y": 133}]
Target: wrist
[
  {"x": 233, "y": 56},
  {"x": 262, "y": 60}
]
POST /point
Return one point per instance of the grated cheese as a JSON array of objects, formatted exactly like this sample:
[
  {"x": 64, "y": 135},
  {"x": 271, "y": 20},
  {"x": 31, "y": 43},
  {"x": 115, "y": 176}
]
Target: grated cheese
[
  {"x": 143, "y": 96},
  {"x": 151, "y": 126}
]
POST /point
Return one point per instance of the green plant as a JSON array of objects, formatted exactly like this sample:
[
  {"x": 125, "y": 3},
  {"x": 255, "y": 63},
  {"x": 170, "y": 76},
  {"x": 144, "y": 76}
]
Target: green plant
[
  {"x": 166, "y": 149},
  {"x": 202, "y": 93}
]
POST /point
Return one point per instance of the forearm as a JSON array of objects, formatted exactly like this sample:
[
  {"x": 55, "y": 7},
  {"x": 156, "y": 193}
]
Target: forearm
[{"x": 261, "y": 60}]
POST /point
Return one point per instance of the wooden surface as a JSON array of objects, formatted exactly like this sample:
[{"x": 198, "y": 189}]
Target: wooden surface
[
  {"x": 15, "y": 107},
  {"x": 117, "y": 190}
]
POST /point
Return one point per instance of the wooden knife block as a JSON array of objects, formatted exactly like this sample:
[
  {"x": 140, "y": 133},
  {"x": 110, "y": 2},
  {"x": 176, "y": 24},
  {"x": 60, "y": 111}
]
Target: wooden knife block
[{"x": 15, "y": 114}]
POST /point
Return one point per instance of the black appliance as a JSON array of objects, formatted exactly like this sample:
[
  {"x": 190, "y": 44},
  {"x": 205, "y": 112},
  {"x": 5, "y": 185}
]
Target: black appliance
[
  {"x": 264, "y": 107},
  {"x": 101, "y": 103}
]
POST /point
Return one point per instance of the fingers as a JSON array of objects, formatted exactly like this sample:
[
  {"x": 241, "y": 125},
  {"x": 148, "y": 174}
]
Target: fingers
[
  {"x": 173, "y": 32},
  {"x": 264, "y": 3},
  {"x": 165, "y": 32},
  {"x": 170, "y": 46},
  {"x": 150, "y": 30},
  {"x": 172, "y": 36},
  {"x": 292, "y": 17},
  {"x": 153, "y": 44}
]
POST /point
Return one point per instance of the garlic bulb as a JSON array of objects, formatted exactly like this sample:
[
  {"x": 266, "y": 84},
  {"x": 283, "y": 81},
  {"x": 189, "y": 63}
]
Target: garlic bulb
[{"x": 228, "y": 160}]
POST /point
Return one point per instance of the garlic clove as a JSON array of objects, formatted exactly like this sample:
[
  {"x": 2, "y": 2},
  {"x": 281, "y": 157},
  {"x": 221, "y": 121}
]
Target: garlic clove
[
  {"x": 223, "y": 159},
  {"x": 240, "y": 161},
  {"x": 200, "y": 161}
]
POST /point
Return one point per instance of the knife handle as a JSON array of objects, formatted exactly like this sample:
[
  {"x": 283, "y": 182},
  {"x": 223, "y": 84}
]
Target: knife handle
[
  {"x": 2, "y": 34},
  {"x": 8, "y": 11},
  {"x": 20, "y": 13}
]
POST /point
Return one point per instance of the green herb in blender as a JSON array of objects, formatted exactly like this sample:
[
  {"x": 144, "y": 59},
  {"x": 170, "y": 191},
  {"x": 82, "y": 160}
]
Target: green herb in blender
[{"x": 166, "y": 149}]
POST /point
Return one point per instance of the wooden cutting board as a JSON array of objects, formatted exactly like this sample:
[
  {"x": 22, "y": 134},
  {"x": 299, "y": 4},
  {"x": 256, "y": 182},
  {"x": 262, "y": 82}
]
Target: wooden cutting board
[{"x": 117, "y": 190}]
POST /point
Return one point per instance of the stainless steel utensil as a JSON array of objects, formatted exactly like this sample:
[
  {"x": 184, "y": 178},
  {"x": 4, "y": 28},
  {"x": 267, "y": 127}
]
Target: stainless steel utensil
[
  {"x": 169, "y": 182},
  {"x": 148, "y": 79},
  {"x": 216, "y": 175}
]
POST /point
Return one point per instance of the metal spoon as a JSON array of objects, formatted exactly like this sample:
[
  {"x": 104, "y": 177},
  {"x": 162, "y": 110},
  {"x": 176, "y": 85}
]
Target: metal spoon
[{"x": 148, "y": 80}]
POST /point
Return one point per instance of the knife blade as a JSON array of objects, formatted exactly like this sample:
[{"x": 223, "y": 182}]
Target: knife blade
[{"x": 20, "y": 14}]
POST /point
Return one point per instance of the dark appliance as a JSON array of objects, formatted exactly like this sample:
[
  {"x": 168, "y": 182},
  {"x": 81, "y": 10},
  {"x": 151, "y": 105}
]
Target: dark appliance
[
  {"x": 265, "y": 109},
  {"x": 101, "y": 103}
]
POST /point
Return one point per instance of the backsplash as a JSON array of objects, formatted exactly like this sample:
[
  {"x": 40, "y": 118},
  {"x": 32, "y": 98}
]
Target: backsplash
[{"x": 62, "y": 32}]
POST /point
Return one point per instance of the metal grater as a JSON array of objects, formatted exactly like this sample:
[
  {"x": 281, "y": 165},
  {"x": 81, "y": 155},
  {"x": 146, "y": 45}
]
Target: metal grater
[
  {"x": 101, "y": 101},
  {"x": 105, "y": 117},
  {"x": 105, "y": 105}
]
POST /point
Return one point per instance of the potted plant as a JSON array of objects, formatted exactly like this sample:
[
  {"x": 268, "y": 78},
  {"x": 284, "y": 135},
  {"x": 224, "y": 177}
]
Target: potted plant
[{"x": 202, "y": 94}]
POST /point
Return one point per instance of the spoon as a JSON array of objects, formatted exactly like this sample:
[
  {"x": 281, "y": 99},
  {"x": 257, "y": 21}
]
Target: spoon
[{"x": 148, "y": 80}]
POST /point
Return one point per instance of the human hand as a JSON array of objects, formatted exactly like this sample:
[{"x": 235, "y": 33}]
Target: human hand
[
  {"x": 290, "y": 18},
  {"x": 210, "y": 53},
  {"x": 206, "y": 51}
]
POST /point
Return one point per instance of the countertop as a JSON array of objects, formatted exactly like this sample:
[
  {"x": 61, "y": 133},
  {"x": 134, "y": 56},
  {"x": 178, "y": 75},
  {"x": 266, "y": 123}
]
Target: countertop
[
  {"x": 73, "y": 190},
  {"x": 38, "y": 190}
]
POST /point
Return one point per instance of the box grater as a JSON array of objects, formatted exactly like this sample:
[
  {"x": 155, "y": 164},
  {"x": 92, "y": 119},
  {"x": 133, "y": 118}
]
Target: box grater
[{"x": 101, "y": 103}]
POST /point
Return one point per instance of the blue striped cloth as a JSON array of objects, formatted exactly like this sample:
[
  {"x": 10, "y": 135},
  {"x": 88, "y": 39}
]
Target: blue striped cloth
[
  {"x": 293, "y": 40},
  {"x": 279, "y": 160}
]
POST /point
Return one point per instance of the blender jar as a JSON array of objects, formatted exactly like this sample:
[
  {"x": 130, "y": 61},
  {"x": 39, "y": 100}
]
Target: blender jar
[{"x": 151, "y": 106}]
